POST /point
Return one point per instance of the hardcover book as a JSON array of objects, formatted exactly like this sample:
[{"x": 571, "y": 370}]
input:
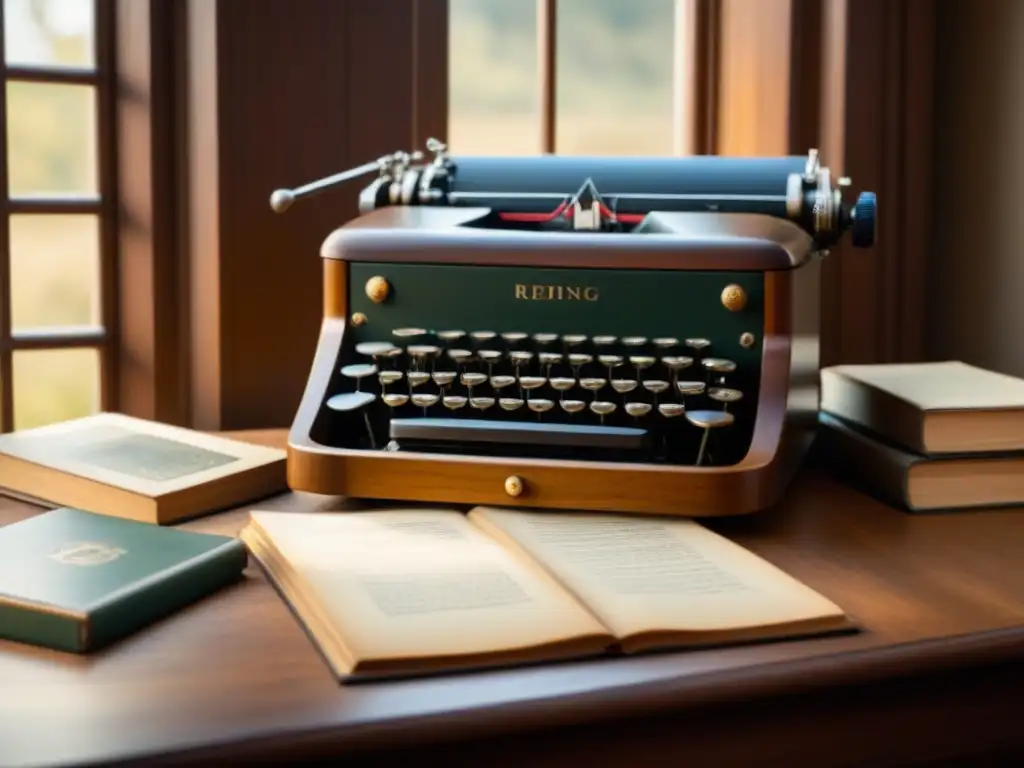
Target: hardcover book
[
  {"x": 915, "y": 482},
  {"x": 929, "y": 408},
  {"x": 76, "y": 581},
  {"x": 142, "y": 470},
  {"x": 403, "y": 592}
]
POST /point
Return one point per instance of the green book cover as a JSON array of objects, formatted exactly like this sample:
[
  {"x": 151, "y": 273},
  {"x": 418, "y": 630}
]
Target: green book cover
[{"x": 76, "y": 581}]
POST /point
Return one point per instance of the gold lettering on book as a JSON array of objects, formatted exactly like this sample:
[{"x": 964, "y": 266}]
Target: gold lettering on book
[{"x": 87, "y": 553}]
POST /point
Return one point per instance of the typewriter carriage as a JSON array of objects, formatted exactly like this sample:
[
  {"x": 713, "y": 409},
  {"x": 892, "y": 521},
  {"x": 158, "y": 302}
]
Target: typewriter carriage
[{"x": 410, "y": 252}]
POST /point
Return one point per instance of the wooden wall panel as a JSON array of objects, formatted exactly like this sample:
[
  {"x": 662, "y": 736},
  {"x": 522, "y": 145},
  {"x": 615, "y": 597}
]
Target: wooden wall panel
[
  {"x": 877, "y": 126},
  {"x": 281, "y": 93}
]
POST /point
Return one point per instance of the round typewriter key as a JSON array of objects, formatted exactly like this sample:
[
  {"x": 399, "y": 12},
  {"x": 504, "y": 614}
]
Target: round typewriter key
[
  {"x": 394, "y": 400},
  {"x": 572, "y": 406},
  {"x": 359, "y": 371},
  {"x": 656, "y": 386},
  {"x": 532, "y": 382},
  {"x": 540, "y": 405},
  {"x": 610, "y": 361},
  {"x": 545, "y": 338},
  {"x": 638, "y": 410},
  {"x": 500, "y": 382},
  {"x": 481, "y": 403},
  {"x": 574, "y": 339},
  {"x": 605, "y": 341},
  {"x": 450, "y": 335},
  {"x": 482, "y": 335},
  {"x": 724, "y": 394},
  {"x": 421, "y": 353},
  {"x": 624, "y": 386},
  {"x": 510, "y": 403},
  {"x": 698, "y": 344},
  {"x": 416, "y": 378},
  {"x": 718, "y": 365},
  {"x": 473, "y": 379},
  {"x": 389, "y": 377},
  {"x": 690, "y": 387},
  {"x": 593, "y": 385},
  {"x": 443, "y": 378},
  {"x": 460, "y": 356},
  {"x": 666, "y": 342},
  {"x": 562, "y": 383},
  {"x": 671, "y": 410},
  {"x": 409, "y": 333},
  {"x": 677, "y": 363},
  {"x": 453, "y": 402},
  {"x": 375, "y": 348},
  {"x": 550, "y": 358},
  {"x": 642, "y": 363},
  {"x": 634, "y": 341},
  {"x": 513, "y": 337},
  {"x": 350, "y": 401},
  {"x": 577, "y": 361},
  {"x": 489, "y": 355},
  {"x": 708, "y": 420},
  {"x": 425, "y": 401},
  {"x": 520, "y": 356},
  {"x": 602, "y": 408}
]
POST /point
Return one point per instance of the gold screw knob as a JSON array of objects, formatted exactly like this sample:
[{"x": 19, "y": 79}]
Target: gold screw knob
[
  {"x": 734, "y": 298},
  {"x": 747, "y": 340},
  {"x": 377, "y": 289},
  {"x": 358, "y": 318},
  {"x": 514, "y": 486}
]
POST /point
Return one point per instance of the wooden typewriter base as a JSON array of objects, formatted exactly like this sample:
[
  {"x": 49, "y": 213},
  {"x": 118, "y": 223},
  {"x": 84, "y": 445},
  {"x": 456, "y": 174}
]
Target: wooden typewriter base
[{"x": 784, "y": 428}]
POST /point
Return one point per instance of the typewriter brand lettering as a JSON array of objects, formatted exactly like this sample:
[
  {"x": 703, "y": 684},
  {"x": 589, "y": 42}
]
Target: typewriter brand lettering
[{"x": 544, "y": 292}]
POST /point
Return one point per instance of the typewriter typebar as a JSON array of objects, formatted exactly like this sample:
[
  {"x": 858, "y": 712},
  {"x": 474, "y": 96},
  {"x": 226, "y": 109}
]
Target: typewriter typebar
[{"x": 605, "y": 333}]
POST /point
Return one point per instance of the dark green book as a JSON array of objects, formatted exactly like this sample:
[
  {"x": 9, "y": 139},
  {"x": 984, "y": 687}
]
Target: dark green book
[{"x": 76, "y": 581}]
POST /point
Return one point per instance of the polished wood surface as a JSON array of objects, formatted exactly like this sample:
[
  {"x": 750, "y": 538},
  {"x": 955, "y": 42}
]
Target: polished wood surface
[
  {"x": 782, "y": 429},
  {"x": 235, "y": 677}
]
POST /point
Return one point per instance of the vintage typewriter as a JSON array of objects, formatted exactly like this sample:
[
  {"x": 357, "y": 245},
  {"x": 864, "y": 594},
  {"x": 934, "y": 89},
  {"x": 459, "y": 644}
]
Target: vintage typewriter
[{"x": 603, "y": 333}]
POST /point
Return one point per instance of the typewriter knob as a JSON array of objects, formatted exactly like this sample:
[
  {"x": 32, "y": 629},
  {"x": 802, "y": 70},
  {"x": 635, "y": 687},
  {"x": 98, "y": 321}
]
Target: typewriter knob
[
  {"x": 514, "y": 486},
  {"x": 865, "y": 220},
  {"x": 734, "y": 298},
  {"x": 377, "y": 289}
]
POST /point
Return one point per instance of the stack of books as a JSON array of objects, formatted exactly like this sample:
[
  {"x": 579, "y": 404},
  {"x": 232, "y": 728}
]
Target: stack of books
[{"x": 925, "y": 436}]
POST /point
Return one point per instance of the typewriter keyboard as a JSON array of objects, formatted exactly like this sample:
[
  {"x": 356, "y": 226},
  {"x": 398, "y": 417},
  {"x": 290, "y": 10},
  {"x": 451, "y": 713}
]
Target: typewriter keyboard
[{"x": 508, "y": 393}]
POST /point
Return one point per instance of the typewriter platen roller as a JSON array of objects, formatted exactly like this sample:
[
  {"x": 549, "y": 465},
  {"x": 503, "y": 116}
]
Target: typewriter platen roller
[{"x": 599, "y": 333}]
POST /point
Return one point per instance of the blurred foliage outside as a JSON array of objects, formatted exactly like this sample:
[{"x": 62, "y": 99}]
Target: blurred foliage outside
[
  {"x": 615, "y": 95},
  {"x": 51, "y": 151}
]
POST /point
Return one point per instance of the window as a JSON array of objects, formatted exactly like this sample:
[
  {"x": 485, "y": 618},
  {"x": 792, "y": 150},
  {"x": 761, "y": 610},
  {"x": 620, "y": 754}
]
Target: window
[
  {"x": 56, "y": 230},
  {"x": 602, "y": 77}
]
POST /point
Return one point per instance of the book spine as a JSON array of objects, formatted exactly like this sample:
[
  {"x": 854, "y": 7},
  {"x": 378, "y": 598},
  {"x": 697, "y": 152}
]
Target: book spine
[
  {"x": 164, "y": 594},
  {"x": 33, "y": 625}
]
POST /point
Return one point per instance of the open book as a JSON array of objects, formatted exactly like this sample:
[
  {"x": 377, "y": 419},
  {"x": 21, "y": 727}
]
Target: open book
[{"x": 402, "y": 592}]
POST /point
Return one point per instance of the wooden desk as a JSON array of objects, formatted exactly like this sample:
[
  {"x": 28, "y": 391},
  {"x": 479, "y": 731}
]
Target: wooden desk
[{"x": 937, "y": 672}]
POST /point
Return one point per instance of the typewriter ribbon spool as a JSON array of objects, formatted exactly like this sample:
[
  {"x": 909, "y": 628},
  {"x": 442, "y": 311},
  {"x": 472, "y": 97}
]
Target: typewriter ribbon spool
[{"x": 602, "y": 333}]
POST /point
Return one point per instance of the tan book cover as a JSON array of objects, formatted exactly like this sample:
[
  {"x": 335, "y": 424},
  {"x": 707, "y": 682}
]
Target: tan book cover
[
  {"x": 143, "y": 470},
  {"x": 930, "y": 408},
  {"x": 402, "y": 592}
]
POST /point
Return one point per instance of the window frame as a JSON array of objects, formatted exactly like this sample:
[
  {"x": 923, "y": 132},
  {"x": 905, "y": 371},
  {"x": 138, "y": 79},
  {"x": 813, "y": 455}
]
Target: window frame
[
  {"x": 103, "y": 338},
  {"x": 203, "y": 261}
]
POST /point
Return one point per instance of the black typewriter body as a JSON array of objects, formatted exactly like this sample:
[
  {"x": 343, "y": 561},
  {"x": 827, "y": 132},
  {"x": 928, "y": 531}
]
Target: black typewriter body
[{"x": 569, "y": 345}]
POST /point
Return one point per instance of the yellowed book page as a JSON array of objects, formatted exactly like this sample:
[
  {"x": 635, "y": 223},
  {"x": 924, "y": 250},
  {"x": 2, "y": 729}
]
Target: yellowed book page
[
  {"x": 420, "y": 583},
  {"x": 642, "y": 574},
  {"x": 136, "y": 455}
]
